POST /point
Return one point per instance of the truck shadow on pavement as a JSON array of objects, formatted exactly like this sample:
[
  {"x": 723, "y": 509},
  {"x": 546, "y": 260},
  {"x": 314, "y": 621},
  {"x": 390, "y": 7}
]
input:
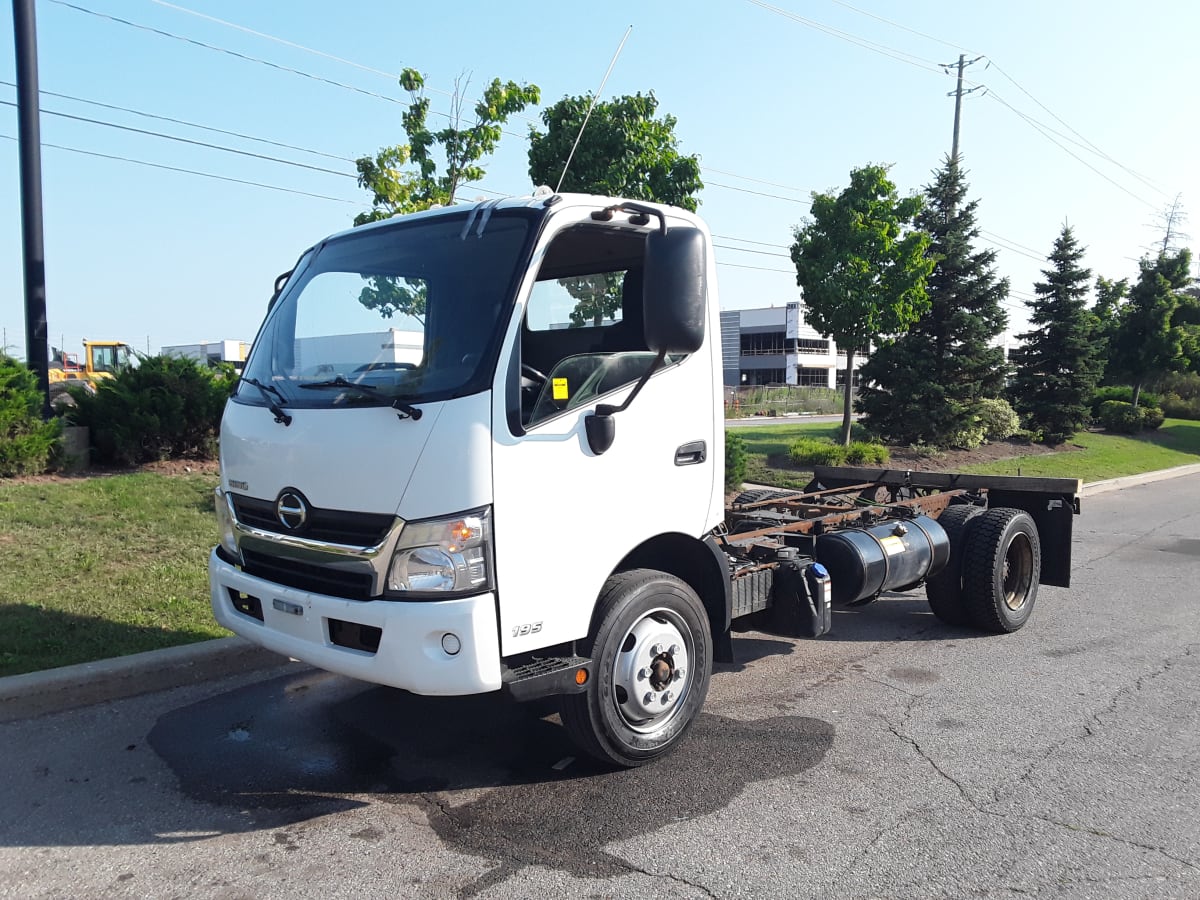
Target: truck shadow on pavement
[{"x": 496, "y": 780}]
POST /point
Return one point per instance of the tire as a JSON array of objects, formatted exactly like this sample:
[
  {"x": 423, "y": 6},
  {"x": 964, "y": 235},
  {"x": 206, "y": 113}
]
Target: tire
[
  {"x": 651, "y": 654},
  {"x": 1001, "y": 569},
  {"x": 944, "y": 591}
]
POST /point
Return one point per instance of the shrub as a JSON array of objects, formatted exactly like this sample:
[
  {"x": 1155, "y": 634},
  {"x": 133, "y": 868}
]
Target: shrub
[
  {"x": 967, "y": 438},
  {"x": 1122, "y": 392},
  {"x": 925, "y": 451},
  {"x": 816, "y": 452},
  {"x": 165, "y": 408},
  {"x": 1185, "y": 385},
  {"x": 861, "y": 453},
  {"x": 997, "y": 418},
  {"x": 25, "y": 440},
  {"x": 735, "y": 460},
  {"x": 1121, "y": 417},
  {"x": 1178, "y": 407}
]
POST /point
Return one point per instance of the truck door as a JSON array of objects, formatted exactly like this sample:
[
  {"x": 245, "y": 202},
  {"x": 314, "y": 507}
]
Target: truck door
[{"x": 565, "y": 516}]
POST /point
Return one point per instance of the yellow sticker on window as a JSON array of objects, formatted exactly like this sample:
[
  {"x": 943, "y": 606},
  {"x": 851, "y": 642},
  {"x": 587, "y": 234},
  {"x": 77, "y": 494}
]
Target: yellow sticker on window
[{"x": 559, "y": 387}]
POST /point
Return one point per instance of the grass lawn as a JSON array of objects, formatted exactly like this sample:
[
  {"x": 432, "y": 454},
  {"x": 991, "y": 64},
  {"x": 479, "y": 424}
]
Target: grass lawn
[
  {"x": 105, "y": 566},
  {"x": 1103, "y": 456}
]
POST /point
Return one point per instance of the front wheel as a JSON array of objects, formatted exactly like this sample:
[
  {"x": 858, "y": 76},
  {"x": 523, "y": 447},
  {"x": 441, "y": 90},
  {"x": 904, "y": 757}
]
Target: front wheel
[{"x": 652, "y": 651}]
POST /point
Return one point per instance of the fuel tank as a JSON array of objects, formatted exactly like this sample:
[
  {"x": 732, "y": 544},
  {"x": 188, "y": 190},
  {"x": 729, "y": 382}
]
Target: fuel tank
[{"x": 894, "y": 553}]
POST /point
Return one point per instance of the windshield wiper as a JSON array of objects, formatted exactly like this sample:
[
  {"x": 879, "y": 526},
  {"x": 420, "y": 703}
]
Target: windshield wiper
[
  {"x": 274, "y": 406},
  {"x": 403, "y": 410}
]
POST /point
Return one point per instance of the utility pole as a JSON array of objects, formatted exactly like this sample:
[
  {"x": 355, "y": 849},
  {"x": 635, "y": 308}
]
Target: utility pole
[
  {"x": 957, "y": 94},
  {"x": 34, "y": 249}
]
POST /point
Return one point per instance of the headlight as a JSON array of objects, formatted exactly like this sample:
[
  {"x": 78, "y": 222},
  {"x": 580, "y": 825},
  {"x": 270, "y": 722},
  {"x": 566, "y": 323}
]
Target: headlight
[
  {"x": 225, "y": 523},
  {"x": 444, "y": 556}
]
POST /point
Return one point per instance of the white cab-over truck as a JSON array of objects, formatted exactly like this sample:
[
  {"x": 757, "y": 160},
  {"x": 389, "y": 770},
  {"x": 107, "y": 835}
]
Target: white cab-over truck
[{"x": 536, "y": 504}]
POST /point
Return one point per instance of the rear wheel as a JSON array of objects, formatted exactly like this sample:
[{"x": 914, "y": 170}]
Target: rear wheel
[
  {"x": 1001, "y": 570},
  {"x": 651, "y": 652},
  {"x": 945, "y": 590}
]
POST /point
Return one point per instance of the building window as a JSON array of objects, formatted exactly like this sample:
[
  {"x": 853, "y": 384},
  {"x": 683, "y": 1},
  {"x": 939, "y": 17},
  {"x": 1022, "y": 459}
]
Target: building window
[
  {"x": 812, "y": 345},
  {"x": 762, "y": 376},
  {"x": 841, "y": 378},
  {"x": 806, "y": 377},
  {"x": 770, "y": 343}
]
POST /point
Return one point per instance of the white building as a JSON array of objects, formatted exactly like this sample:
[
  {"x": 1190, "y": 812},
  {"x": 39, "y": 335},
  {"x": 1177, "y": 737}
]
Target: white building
[
  {"x": 774, "y": 345},
  {"x": 211, "y": 352}
]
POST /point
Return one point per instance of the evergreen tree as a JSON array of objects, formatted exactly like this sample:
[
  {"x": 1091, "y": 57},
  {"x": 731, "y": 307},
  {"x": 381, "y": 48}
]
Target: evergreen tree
[
  {"x": 1059, "y": 363},
  {"x": 923, "y": 386}
]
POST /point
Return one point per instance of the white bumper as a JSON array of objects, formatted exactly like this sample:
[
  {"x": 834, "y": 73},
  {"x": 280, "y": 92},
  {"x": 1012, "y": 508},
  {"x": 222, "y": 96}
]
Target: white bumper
[{"x": 410, "y": 654}]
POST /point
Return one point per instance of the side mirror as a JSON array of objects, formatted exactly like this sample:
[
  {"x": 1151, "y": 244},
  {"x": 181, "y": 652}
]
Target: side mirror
[
  {"x": 674, "y": 285},
  {"x": 601, "y": 429}
]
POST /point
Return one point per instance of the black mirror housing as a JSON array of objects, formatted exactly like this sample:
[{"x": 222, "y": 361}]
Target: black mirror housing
[
  {"x": 674, "y": 286},
  {"x": 601, "y": 430}
]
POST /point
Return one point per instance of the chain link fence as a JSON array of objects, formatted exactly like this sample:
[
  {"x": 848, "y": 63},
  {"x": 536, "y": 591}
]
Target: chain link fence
[{"x": 783, "y": 400}]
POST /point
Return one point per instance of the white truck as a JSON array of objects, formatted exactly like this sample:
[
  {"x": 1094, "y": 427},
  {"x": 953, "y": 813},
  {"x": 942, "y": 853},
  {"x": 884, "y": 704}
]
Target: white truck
[{"x": 540, "y": 510}]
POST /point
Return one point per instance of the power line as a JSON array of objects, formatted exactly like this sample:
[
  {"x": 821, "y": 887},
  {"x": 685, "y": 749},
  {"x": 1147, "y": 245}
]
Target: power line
[
  {"x": 248, "y": 58},
  {"x": 1010, "y": 241},
  {"x": 730, "y": 187},
  {"x": 725, "y": 237},
  {"x": 747, "y": 250},
  {"x": 873, "y": 46},
  {"x": 184, "y": 122},
  {"x": 872, "y": 15},
  {"x": 755, "y": 180},
  {"x": 1033, "y": 123},
  {"x": 757, "y": 268},
  {"x": 183, "y": 140},
  {"x": 993, "y": 64},
  {"x": 142, "y": 162}
]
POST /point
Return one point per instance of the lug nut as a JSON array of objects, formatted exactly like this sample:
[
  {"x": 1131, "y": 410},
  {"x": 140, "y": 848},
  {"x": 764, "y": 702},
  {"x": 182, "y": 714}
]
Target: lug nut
[
  {"x": 678, "y": 674},
  {"x": 666, "y": 697},
  {"x": 646, "y": 700},
  {"x": 674, "y": 651},
  {"x": 656, "y": 649},
  {"x": 643, "y": 674}
]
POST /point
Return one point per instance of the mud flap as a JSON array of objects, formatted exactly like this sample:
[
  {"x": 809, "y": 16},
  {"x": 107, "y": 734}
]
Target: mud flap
[{"x": 800, "y": 600}]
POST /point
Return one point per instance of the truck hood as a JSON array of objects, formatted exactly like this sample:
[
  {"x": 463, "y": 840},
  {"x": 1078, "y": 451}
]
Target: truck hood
[{"x": 364, "y": 459}]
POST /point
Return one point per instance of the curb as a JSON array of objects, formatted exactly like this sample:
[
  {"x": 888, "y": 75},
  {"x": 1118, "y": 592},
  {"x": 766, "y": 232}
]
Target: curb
[
  {"x": 1116, "y": 484},
  {"x": 70, "y": 687}
]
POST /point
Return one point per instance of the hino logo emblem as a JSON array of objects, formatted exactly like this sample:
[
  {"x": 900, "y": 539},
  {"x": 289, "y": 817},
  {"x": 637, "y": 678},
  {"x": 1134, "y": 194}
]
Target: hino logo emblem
[{"x": 291, "y": 510}]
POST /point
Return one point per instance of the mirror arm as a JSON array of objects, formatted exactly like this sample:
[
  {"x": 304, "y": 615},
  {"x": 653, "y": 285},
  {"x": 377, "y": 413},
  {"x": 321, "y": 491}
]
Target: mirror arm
[{"x": 600, "y": 427}]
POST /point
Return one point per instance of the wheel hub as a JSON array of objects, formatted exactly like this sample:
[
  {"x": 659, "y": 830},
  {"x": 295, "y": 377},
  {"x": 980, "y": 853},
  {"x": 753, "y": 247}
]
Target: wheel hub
[{"x": 649, "y": 670}]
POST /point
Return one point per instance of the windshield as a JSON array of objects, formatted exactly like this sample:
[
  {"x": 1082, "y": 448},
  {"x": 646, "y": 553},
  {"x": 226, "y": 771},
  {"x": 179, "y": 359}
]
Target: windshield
[{"x": 411, "y": 311}]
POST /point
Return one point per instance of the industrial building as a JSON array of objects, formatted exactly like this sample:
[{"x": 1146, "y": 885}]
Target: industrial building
[{"x": 774, "y": 345}]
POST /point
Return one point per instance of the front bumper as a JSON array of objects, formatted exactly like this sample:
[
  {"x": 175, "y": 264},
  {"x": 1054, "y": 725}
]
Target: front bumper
[{"x": 410, "y": 653}]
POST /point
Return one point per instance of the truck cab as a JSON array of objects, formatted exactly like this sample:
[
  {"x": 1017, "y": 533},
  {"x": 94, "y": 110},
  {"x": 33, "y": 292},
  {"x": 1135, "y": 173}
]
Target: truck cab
[{"x": 447, "y": 522}]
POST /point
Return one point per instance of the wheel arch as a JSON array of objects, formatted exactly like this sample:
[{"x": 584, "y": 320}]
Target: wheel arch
[{"x": 702, "y": 565}]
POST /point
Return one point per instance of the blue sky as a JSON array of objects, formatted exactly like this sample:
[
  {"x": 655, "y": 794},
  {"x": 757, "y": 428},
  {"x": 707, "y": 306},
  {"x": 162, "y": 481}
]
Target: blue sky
[{"x": 777, "y": 99}]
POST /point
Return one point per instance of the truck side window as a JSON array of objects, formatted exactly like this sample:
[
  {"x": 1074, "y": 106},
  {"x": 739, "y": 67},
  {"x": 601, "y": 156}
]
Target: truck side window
[{"x": 583, "y": 337}]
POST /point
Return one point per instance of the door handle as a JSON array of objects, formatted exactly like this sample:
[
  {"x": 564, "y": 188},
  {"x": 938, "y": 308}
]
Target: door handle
[{"x": 691, "y": 453}]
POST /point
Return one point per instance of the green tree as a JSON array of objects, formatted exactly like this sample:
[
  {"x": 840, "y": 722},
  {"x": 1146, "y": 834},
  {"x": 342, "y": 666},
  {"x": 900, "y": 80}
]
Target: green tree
[
  {"x": 406, "y": 178},
  {"x": 925, "y": 385},
  {"x": 1059, "y": 363},
  {"x": 625, "y": 151},
  {"x": 1147, "y": 343},
  {"x": 861, "y": 267}
]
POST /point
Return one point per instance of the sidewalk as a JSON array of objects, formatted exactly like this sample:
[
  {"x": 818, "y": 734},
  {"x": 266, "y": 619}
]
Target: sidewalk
[{"x": 69, "y": 687}]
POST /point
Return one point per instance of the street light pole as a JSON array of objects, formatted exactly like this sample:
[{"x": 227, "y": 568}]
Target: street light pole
[{"x": 33, "y": 245}]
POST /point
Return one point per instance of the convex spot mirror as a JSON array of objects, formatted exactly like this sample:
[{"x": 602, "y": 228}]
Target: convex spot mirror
[{"x": 674, "y": 285}]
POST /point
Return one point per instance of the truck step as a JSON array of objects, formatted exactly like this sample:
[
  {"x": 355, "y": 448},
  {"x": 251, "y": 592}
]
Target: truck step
[{"x": 543, "y": 677}]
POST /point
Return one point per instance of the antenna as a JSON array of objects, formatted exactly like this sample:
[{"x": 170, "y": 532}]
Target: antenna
[{"x": 591, "y": 106}]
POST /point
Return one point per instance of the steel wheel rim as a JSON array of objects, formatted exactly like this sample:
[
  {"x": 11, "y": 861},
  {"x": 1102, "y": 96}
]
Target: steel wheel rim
[
  {"x": 652, "y": 670},
  {"x": 1018, "y": 572}
]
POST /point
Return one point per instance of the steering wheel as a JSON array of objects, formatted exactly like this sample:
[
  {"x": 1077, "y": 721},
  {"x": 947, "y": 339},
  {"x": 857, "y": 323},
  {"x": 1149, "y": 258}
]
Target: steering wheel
[{"x": 532, "y": 378}]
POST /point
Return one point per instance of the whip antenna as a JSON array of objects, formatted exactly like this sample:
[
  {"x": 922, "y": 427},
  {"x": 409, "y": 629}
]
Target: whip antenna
[{"x": 591, "y": 106}]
